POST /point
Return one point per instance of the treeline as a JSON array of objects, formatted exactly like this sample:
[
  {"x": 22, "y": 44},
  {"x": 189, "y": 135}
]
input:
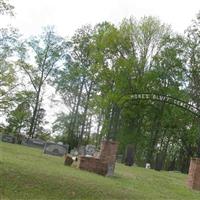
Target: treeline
[{"x": 95, "y": 72}]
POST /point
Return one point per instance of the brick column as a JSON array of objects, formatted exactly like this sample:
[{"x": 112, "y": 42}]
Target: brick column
[
  {"x": 108, "y": 155},
  {"x": 194, "y": 174}
]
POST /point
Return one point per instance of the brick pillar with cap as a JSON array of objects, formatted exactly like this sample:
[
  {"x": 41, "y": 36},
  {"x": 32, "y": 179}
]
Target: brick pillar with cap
[
  {"x": 194, "y": 174},
  {"x": 108, "y": 154}
]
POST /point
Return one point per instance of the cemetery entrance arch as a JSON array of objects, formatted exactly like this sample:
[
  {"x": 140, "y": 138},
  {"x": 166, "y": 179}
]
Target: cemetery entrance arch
[{"x": 189, "y": 106}]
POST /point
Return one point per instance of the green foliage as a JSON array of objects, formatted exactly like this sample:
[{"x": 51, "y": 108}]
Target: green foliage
[
  {"x": 8, "y": 45},
  {"x": 19, "y": 118}
]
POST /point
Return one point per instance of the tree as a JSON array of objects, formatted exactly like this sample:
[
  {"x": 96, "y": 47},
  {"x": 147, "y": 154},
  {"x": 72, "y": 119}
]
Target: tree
[
  {"x": 6, "y": 8},
  {"x": 75, "y": 84},
  {"x": 122, "y": 57},
  {"x": 193, "y": 63},
  {"x": 8, "y": 45},
  {"x": 19, "y": 118},
  {"x": 193, "y": 58},
  {"x": 62, "y": 128},
  {"x": 48, "y": 52}
]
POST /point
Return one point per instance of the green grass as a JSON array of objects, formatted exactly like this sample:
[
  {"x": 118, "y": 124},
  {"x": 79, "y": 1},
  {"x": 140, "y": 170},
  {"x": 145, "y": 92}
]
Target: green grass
[{"x": 27, "y": 173}]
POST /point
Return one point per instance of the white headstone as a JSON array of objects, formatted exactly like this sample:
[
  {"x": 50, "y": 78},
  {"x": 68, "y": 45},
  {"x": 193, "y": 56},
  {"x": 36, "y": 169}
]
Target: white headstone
[
  {"x": 148, "y": 166},
  {"x": 90, "y": 149}
]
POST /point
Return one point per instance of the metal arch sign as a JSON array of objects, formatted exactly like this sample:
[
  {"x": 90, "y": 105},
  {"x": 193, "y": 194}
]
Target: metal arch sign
[{"x": 167, "y": 99}]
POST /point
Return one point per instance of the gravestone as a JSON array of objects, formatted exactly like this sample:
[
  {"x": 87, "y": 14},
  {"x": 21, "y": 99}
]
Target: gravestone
[
  {"x": 129, "y": 155},
  {"x": 34, "y": 142},
  {"x": 74, "y": 152},
  {"x": 81, "y": 150},
  {"x": 55, "y": 149},
  {"x": 148, "y": 166},
  {"x": 90, "y": 150},
  {"x": 7, "y": 138}
]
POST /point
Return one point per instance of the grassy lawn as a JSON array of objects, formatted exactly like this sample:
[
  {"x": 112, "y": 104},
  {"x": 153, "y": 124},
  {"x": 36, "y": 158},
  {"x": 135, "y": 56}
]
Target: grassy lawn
[{"x": 27, "y": 173}]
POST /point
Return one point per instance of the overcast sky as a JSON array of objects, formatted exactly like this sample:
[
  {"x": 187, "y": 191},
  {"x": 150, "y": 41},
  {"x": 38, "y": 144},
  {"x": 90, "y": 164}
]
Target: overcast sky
[{"x": 68, "y": 15}]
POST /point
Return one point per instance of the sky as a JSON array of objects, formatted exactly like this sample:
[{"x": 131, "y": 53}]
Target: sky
[{"x": 69, "y": 15}]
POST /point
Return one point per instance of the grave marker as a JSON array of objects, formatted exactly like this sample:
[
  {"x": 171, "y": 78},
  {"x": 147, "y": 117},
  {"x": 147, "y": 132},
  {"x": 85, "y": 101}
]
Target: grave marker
[
  {"x": 7, "y": 138},
  {"x": 90, "y": 150},
  {"x": 34, "y": 142},
  {"x": 82, "y": 150},
  {"x": 55, "y": 149}
]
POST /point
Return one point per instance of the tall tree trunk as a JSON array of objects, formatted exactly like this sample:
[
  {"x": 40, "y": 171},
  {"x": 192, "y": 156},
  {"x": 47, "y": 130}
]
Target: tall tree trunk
[
  {"x": 74, "y": 124},
  {"x": 113, "y": 122},
  {"x": 33, "y": 119},
  {"x": 85, "y": 113},
  {"x": 89, "y": 129},
  {"x": 154, "y": 135},
  {"x": 98, "y": 134}
]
